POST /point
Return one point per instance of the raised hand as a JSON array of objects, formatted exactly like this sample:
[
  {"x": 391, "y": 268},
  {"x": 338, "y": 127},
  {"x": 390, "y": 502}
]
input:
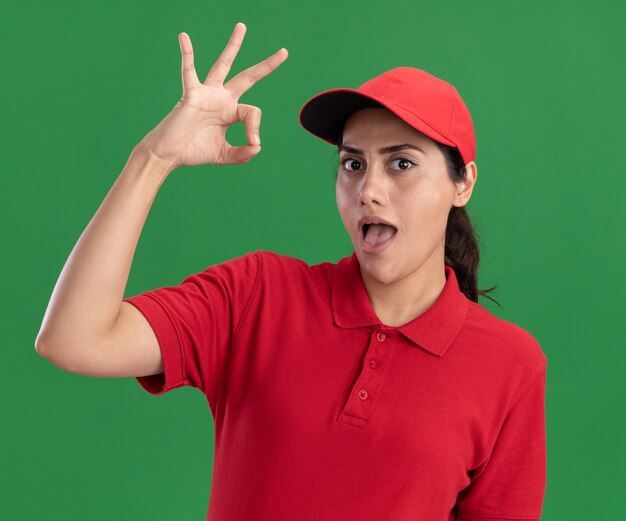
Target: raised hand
[{"x": 194, "y": 132}]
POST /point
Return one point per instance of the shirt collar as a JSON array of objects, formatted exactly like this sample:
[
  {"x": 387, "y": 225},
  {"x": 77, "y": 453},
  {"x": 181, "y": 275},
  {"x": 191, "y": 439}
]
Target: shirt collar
[{"x": 433, "y": 330}]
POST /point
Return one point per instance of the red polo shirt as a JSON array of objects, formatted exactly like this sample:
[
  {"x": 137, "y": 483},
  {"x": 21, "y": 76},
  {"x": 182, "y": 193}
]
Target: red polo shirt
[{"x": 323, "y": 413}]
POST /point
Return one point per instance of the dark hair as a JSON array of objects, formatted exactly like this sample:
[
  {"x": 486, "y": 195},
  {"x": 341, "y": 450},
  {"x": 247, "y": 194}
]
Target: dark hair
[{"x": 461, "y": 251}]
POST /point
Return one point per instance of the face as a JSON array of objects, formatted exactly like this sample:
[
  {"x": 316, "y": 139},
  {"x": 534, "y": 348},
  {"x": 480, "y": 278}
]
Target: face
[{"x": 410, "y": 189}]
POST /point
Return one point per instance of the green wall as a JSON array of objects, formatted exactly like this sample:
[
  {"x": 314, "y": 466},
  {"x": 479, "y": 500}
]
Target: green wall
[{"x": 82, "y": 83}]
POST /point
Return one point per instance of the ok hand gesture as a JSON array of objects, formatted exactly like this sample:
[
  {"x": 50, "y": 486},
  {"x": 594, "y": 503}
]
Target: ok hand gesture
[{"x": 194, "y": 132}]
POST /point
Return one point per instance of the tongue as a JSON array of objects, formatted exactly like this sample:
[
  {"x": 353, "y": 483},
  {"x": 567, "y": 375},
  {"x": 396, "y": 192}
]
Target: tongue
[{"x": 377, "y": 233}]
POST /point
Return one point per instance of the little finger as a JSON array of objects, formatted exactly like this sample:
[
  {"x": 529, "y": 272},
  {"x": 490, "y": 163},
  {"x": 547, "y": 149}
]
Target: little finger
[{"x": 188, "y": 71}]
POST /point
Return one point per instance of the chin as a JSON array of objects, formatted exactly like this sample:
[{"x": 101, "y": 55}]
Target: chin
[{"x": 377, "y": 268}]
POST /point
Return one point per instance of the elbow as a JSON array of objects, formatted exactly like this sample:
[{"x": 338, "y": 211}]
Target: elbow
[
  {"x": 66, "y": 357},
  {"x": 43, "y": 349},
  {"x": 39, "y": 348}
]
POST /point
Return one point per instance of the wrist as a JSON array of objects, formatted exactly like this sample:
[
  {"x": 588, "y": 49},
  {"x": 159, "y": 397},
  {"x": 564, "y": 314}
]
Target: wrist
[{"x": 145, "y": 154}]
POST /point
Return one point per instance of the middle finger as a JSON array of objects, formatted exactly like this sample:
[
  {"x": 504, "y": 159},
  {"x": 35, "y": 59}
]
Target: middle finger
[{"x": 245, "y": 79}]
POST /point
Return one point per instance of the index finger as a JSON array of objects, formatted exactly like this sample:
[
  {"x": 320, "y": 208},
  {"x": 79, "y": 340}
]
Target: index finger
[{"x": 245, "y": 79}]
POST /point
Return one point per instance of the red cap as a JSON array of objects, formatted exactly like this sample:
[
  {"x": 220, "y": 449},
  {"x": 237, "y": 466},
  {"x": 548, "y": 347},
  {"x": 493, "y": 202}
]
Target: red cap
[{"x": 427, "y": 103}]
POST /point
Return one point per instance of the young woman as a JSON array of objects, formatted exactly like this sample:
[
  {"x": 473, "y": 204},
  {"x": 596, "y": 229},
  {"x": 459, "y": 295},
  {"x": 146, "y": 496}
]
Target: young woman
[{"x": 374, "y": 388}]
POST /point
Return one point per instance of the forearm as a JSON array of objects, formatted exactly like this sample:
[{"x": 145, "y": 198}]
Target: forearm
[{"x": 87, "y": 296}]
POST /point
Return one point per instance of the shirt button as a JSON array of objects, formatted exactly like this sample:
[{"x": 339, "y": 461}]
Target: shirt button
[
  {"x": 381, "y": 337},
  {"x": 363, "y": 394},
  {"x": 372, "y": 364}
]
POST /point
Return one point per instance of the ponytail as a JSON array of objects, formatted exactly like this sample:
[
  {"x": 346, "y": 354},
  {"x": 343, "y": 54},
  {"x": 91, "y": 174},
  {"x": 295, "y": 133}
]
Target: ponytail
[{"x": 461, "y": 252}]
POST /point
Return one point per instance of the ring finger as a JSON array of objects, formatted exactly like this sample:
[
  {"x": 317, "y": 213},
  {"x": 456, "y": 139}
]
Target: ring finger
[{"x": 221, "y": 67}]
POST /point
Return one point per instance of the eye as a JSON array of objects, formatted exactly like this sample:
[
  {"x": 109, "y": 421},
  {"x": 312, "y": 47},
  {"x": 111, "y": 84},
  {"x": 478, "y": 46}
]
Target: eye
[
  {"x": 404, "y": 161},
  {"x": 351, "y": 162}
]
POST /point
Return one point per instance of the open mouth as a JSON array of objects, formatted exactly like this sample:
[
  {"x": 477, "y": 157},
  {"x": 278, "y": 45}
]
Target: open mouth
[{"x": 377, "y": 233}]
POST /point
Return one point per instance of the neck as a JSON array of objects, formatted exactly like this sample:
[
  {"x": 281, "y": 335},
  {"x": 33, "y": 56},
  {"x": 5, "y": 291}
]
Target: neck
[{"x": 402, "y": 300}]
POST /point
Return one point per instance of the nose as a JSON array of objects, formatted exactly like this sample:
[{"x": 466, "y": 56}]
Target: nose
[{"x": 373, "y": 187}]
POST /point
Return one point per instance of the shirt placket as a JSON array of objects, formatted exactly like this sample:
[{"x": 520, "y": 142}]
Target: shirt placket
[{"x": 364, "y": 393}]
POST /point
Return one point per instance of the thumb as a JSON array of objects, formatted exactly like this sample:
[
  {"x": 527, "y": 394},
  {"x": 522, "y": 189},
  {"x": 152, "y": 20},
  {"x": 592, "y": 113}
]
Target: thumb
[{"x": 242, "y": 154}]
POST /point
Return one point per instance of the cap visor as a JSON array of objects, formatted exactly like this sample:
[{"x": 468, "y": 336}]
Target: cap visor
[{"x": 325, "y": 114}]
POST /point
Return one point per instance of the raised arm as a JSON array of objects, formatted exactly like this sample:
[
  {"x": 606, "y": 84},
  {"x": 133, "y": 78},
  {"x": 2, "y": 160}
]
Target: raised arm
[{"x": 87, "y": 329}]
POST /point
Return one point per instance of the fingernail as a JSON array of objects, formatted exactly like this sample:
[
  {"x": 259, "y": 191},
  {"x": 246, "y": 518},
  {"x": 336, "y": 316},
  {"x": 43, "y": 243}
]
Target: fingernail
[{"x": 256, "y": 140}]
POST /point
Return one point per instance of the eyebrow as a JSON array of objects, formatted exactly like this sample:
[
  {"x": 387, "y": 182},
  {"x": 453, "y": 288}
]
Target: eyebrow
[{"x": 384, "y": 150}]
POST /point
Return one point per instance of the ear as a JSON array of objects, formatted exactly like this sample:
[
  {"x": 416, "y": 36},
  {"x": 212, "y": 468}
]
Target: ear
[{"x": 464, "y": 188}]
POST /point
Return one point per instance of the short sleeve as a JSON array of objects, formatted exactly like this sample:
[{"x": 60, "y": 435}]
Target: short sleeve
[
  {"x": 511, "y": 483},
  {"x": 195, "y": 323}
]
